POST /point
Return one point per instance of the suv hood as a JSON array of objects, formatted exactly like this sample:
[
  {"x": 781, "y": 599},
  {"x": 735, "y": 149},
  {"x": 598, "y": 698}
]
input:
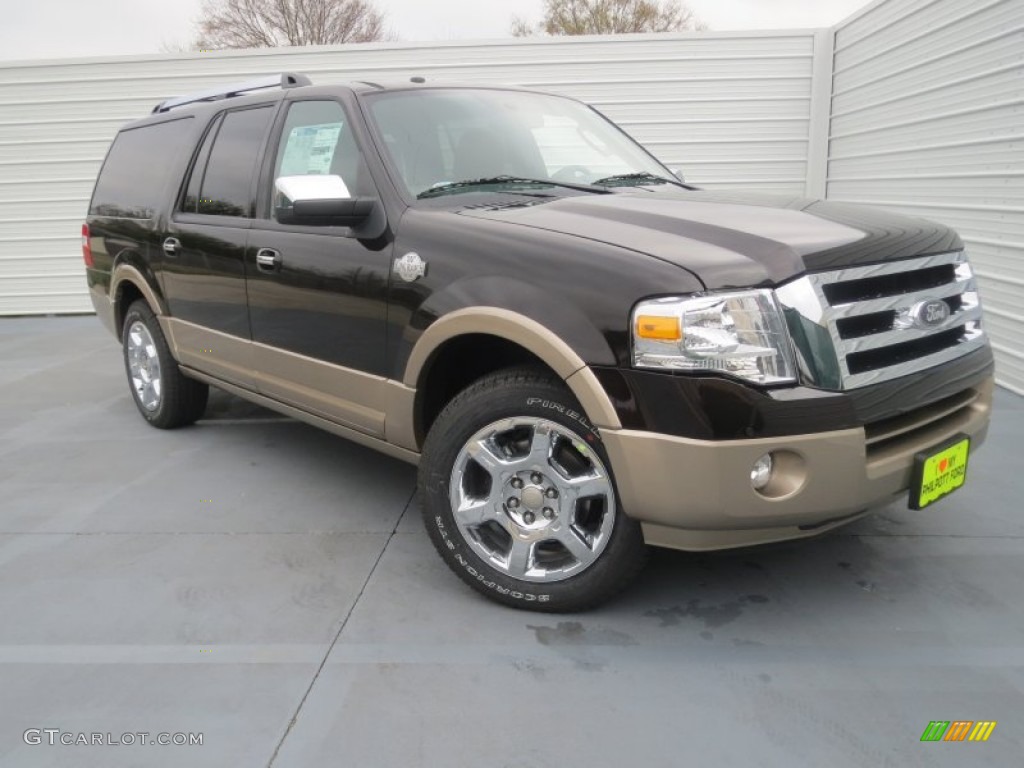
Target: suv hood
[{"x": 728, "y": 240}]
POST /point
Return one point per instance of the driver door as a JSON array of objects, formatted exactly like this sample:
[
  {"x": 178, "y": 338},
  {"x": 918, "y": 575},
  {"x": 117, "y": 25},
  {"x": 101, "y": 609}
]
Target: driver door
[{"x": 317, "y": 295}]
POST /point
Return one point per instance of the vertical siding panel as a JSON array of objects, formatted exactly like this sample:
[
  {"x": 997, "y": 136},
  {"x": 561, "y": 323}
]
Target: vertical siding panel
[{"x": 928, "y": 117}]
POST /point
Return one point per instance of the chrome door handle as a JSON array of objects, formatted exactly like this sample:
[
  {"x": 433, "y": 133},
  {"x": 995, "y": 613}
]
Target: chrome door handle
[
  {"x": 171, "y": 246},
  {"x": 268, "y": 260}
]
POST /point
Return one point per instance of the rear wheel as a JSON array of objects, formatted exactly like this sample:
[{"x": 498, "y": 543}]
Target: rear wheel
[
  {"x": 519, "y": 499},
  {"x": 165, "y": 397}
]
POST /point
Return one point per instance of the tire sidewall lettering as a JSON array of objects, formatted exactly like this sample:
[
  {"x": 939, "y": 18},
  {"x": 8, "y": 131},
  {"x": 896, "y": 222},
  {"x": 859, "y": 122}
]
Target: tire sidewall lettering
[
  {"x": 540, "y": 402},
  {"x": 482, "y": 578}
]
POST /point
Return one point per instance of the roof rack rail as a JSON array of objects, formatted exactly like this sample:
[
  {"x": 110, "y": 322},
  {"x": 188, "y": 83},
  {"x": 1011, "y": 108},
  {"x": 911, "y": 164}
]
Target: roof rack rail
[{"x": 283, "y": 80}]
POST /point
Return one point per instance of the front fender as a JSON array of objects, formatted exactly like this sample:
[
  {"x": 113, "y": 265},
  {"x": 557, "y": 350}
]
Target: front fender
[
  {"x": 527, "y": 333},
  {"x": 539, "y": 303}
]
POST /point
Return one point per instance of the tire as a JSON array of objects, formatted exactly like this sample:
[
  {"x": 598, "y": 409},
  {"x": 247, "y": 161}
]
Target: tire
[
  {"x": 165, "y": 397},
  {"x": 519, "y": 500}
]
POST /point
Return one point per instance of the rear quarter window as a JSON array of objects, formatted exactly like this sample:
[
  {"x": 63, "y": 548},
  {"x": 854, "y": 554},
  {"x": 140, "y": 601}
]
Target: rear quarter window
[
  {"x": 134, "y": 176},
  {"x": 226, "y": 180}
]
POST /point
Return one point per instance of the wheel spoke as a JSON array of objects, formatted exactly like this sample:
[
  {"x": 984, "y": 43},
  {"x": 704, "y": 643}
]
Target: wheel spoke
[
  {"x": 472, "y": 512},
  {"x": 586, "y": 486},
  {"x": 577, "y": 547},
  {"x": 483, "y": 453},
  {"x": 520, "y": 558},
  {"x": 541, "y": 445}
]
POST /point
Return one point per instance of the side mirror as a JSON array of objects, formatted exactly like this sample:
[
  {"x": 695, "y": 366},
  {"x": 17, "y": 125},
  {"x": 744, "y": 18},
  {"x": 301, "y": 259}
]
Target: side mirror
[
  {"x": 318, "y": 199},
  {"x": 678, "y": 173}
]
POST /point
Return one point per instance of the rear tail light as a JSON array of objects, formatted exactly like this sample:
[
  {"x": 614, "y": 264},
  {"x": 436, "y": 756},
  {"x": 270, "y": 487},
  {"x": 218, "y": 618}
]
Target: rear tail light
[{"x": 86, "y": 248}]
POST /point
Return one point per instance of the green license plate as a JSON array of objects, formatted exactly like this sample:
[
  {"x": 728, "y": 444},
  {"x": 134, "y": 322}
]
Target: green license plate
[{"x": 939, "y": 471}]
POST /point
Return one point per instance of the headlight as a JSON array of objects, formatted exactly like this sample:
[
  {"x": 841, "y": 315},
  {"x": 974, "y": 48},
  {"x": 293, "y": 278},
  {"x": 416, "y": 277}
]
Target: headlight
[{"x": 741, "y": 334}]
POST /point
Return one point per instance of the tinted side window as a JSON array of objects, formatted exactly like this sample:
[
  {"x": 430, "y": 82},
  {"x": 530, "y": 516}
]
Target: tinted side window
[
  {"x": 227, "y": 182},
  {"x": 136, "y": 170},
  {"x": 191, "y": 202}
]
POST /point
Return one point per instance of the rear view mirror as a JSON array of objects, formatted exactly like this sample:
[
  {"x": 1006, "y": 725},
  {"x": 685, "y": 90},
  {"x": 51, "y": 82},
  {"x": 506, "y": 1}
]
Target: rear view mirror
[{"x": 317, "y": 199}]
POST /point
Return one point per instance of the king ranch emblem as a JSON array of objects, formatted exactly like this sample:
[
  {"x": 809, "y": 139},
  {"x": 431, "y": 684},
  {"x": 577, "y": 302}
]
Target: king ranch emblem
[{"x": 410, "y": 267}]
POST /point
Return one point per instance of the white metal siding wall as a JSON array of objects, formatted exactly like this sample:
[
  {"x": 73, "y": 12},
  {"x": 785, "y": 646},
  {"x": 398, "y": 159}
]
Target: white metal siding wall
[
  {"x": 731, "y": 109},
  {"x": 928, "y": 117}
]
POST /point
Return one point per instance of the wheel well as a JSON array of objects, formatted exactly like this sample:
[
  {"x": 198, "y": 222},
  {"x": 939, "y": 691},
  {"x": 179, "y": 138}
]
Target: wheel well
[
  {"x": 127, "y": 294},
  {"x": 456, "y": 365}
]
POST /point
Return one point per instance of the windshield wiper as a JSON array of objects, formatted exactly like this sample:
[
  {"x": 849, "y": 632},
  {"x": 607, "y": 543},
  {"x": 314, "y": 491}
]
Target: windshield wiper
[
  {"x": 641, "y": 178},
  {"x": 455, "y": 186}
]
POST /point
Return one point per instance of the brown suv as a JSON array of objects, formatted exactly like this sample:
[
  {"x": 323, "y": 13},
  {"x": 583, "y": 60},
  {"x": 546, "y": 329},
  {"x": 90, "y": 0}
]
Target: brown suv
[{"x": 582, "y": 353}]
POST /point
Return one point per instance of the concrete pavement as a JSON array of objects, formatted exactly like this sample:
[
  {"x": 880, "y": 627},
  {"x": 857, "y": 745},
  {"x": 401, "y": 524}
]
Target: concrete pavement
[{"x": 271, "y": 586}]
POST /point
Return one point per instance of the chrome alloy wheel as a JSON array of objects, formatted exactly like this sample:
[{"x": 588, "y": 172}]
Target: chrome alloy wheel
[
  {"x": 144, "y": 366},
  {"x": 532, "y": 499}
]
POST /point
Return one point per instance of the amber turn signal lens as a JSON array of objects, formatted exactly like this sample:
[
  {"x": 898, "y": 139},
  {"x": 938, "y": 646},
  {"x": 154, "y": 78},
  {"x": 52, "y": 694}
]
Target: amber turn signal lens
[{"x": 658, "y": 328}]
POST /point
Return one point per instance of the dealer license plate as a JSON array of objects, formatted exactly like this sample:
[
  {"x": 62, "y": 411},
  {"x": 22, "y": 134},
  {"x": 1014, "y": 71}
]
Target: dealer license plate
[{"x": 939, "y": 471}]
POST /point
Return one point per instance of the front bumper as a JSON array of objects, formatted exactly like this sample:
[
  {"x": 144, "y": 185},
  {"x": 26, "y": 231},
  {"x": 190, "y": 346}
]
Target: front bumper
[{"x": 696, "y": 494}]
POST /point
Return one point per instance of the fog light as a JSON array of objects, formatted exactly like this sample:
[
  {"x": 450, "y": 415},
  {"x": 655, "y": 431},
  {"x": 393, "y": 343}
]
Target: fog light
[{"x": 761, "y": 472}]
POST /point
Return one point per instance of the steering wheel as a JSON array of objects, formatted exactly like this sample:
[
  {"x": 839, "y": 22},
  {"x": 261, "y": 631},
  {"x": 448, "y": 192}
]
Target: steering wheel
[{"x": 576, "y": 173}]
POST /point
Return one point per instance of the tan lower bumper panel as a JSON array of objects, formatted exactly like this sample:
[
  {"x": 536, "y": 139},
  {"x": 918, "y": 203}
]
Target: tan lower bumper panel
[
  {"x": 697, "y": 495},
  {"x": 707, "y": 541}
]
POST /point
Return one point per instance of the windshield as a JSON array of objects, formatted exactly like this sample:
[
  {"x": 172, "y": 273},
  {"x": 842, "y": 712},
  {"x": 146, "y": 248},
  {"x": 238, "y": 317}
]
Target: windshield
[{"x": 437, "y": 138}]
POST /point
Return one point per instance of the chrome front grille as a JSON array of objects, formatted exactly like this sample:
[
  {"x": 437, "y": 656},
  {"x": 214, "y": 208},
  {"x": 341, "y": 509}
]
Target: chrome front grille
[{"x": 863, "y": 325}]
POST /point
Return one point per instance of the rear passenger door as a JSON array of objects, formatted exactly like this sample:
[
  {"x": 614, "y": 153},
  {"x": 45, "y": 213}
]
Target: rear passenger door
[
  {"x": 318, "y": 294},
  {"x": 203, "y": 247}
]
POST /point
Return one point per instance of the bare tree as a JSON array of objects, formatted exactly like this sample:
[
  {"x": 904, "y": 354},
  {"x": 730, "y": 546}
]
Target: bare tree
[
  {"x": 172, "y": 46},
  {"x": 273, "y": 23},
  {"x": 521, "y": 27},
  {"x": 606, "y": 17}
]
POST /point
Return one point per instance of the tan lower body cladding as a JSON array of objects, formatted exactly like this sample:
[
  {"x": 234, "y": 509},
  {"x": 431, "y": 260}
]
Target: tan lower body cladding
[
  {"x": 696, "y": 495},
  {"x": 373, "y": 405},
  {"x": 371, "y": 409}
]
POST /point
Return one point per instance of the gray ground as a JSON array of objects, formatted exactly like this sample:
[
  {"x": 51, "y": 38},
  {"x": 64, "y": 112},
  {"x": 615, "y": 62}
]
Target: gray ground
[{"x": 271, "y": 586}]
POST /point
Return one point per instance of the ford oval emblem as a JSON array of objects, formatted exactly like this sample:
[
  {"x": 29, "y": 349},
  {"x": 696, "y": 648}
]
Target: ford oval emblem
[{"x": 929, "y": 313}]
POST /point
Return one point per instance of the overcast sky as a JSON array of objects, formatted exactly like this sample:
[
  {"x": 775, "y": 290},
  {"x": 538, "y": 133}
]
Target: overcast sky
[{"x": 60, "y": 28}]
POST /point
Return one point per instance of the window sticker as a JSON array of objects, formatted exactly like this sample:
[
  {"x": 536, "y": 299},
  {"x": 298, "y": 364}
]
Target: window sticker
[{"x": 309, "y": 150}]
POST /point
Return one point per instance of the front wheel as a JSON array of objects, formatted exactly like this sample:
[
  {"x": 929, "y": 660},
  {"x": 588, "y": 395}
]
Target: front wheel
[{"x": 519, "y": 499}]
